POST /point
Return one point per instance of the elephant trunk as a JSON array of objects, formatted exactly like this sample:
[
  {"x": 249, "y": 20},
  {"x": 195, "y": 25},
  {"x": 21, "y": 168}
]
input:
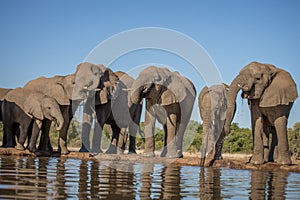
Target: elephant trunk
[
  {"x": 232, "y": 92},
  {"x": 203, "y": 152},
  {"x": 136, "y": 92},
  {"x": 59, "y": 122}
]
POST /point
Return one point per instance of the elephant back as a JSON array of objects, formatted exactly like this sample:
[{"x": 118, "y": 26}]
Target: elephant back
[
  {"x": 3, "y": 92},
  {"x": 53, "y": 87}
]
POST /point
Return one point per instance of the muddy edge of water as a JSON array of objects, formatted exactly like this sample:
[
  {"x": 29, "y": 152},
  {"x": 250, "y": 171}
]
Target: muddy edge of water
[{"x": 234, "y": 161}]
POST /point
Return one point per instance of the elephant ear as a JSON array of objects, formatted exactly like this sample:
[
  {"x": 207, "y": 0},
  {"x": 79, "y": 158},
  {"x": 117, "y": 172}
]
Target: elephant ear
[
  {"x": 176, "y": 90},
  {"x": 57, "y": 91},
  {"x": 32, "y": 105},
  {"x": 281, "y": 91}
]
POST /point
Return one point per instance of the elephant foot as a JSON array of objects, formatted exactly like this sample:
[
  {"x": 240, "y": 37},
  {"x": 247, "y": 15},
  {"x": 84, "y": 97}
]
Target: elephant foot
[
  {"x": 32, "y": 149},
  {"x": 164, "y": 152},
  {"x": 257, "y": 160},
  {"x": 132, "y": 152},
  {"x": 83, "y": 149},
  {"x": 120, "y": 151},
  {"x": 284, "y": 160},
  {"x": 149, "y": 154},
  {"x": 111, "y": 150},
  {"x": 172, "y": 155},
  {"x": 20, "y": 147},
  {"x": 63, "y": 151},
  {"x": 96, "y": 150},
  {"x": 180, "y": 155}
]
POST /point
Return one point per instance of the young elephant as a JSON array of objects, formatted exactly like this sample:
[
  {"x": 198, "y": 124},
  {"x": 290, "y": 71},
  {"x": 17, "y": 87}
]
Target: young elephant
[
  {"x": 212, "y": 105},
  {"x": 22, "y": 108}
]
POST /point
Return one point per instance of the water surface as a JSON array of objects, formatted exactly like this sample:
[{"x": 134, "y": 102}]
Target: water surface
[{"x": 66, "y": 178}]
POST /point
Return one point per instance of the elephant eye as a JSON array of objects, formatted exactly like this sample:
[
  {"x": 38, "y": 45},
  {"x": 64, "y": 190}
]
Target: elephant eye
[{"x": 49, "y": 108}]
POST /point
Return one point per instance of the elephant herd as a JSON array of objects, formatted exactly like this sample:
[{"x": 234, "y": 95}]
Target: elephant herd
[{"x": 115, "y": 99}]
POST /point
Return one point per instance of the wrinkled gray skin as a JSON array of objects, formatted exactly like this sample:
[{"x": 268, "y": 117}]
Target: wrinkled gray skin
[
  {"x": 270, "y": 92},
  {"x": 212, "y": 104},
  {"x": 111, "y": 106},
  {"x": 21, "y": 107},
  {"x": 3, "y": 92},
  {"x": 69, "y": 91},
  {"x": 169, "y": 99}
]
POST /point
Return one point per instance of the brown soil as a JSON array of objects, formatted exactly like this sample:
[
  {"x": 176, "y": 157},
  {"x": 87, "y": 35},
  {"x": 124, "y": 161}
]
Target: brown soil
[{"x": 233, "y": 161}]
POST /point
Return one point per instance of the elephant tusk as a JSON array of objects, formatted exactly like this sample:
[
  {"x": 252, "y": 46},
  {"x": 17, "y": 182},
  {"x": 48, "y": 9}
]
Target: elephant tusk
[
  {"x": 97, "y": 89},
  {"x": 85, "y": 87},
  {"x": 239, "y": 85},
  {"x": 127, "y": 89}
]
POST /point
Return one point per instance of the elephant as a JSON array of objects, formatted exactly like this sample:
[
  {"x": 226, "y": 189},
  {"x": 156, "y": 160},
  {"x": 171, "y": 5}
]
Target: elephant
[
  {"x": 3, "y": 92},
  {"x": 212, "y": 104},
  {"x": 271, "y": 92},
  {"x": 60, "y": 88},
  {"x": 68, "y": 91},
  {"x": 21, "y": 108},
  {"x": 169, "y": 99},
  {"x": 112, "y": 107}
]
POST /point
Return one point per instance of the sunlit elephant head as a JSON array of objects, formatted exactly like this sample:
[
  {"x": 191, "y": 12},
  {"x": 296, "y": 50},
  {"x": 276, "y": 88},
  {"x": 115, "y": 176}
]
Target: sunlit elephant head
[
  {"x": 107, "y": 88},
  {"x": 87, "y": 78},
  {"x": 158, "y": 83}
]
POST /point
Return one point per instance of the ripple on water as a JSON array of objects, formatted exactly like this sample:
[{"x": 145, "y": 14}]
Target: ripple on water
[{"x": 65, "y": 178}]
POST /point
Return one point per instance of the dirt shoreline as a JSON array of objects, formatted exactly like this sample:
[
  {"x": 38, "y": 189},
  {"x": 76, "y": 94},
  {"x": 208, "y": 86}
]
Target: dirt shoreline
[{"x": 232, "y": 161}]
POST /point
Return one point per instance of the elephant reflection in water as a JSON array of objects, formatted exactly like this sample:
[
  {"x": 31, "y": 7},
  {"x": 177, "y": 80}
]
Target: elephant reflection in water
[
  {"x": 116, "y": 184},
  {"x": 268, "y": 185},
  {"x": 210, "y": 183},
  {"x": 60, "y": 183},
  {"x": 170, "y": 183}
]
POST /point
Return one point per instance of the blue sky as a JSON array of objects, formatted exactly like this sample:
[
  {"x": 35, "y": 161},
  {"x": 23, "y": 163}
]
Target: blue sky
[{"x": 51, "y": 37}]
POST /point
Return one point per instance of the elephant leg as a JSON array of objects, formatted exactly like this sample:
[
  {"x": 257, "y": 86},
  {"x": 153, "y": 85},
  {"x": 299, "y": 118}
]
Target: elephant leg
[
  {"x": 62, "y": 139},
  {"x": 257, "y": 129},
  {"x": 257, "y": 156},
  {"x": 87, "y": 120},
  {"x": 266, "y": 136},
  {"x": 219, "y": 146},
  {"x": 134, "y": 127},
  {"x": 149, "y": 131},
  {"x": 179, "y": 137},
  {"x": 122, "y": 141},
  {"x": 284, "y": 156},
  {"x": 114, "y": 140},
  {"x": 165, "y": 147},
  {"x": 9, "y": 137},
  {"x": 36, "y": 127},
  {"x": 171, "y": 136},
  {"x": 45, "y": 143},
  {"x": 97, "y": 137},
  {"x": 24, "y": 132},
  {"x": 132, "y": 138},
  {"x": 274, "y": 143},
  {"x": 4, "y": 138}
]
